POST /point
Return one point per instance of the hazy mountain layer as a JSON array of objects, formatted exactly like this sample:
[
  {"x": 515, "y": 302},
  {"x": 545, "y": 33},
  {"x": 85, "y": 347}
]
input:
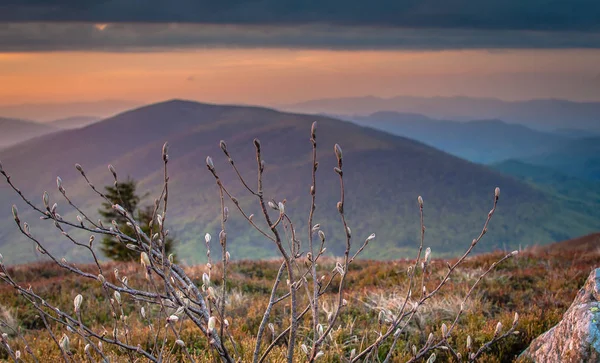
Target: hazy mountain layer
[
  {"x": 482, "y": 141},
  {"x": 14, "y": 131},
  {"x": 545, "y": 114},
  {"x": 384, "y": 175}
]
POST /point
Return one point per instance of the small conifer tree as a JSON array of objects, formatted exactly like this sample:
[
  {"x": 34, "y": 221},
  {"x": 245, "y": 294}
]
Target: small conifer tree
[{"x": 124, "y": 194}]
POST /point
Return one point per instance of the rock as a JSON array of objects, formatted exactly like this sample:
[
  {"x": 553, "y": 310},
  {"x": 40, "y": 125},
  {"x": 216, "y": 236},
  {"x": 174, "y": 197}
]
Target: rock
[{"x": 576, "y": 338}]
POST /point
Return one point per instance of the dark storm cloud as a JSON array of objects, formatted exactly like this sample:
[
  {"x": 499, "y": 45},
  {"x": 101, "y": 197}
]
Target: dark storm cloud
[
  {"x": 134, "y": 25},
  {"x": 547, "y": 15},
  {"x": 125, "y": 37}
]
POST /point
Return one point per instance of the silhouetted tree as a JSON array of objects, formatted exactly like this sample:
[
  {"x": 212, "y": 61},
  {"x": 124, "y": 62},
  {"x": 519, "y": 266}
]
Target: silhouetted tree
[{"x": 124, "y": 194}]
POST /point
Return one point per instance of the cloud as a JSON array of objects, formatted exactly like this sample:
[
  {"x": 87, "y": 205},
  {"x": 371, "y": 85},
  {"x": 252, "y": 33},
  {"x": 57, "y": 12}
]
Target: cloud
[
  {"x": 542, "y": 15},
  {"x": 127, "y": 37}
]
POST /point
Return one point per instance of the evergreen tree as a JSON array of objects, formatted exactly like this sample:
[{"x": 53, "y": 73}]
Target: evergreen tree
[{"x": 124, "y": 194}]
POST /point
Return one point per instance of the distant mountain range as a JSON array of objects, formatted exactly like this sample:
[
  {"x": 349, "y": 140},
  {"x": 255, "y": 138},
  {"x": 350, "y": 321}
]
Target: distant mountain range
[
  {"x": 384, "y": 175},
  {"x": 481, "y": 141},
  {"x": 544, "y": 114},
  {"x": 579, "y": 158},
  {"x": 14, "y": 131},
  {"x": 570, "y": 188},
  {"x": 74, "y": 122},
  {"x": 46, "y": 112}
]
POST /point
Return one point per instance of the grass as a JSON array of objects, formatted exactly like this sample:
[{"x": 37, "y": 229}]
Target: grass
[{"x": 539, "y": 284}]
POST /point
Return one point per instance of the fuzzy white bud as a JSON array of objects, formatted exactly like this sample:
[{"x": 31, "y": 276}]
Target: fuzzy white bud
[
  {"x": 205, "y": 279},
  {"x": 498, "y": 329},
  {"x": 304, "y": 348},
  {"x": 338, "y": 151},
  {"x": 46, "y": 199},
  {"x": 281, "y": 207},
  {"x": 431, "y": 358},
  {"x": 209, "y": 163},
  {"x": 64, "y": 343},
  {"x": 427, "y": 254},
  {"x": 370, "y": 238},
  {"x": 144, "y": 259},
  {"x": 212, "y": 322},
  {"x": 117, "y": 296},
  {"x": 112, "y": 170},
  {"x": 207, "y": 238},
  {"x": 77, "y": 302},
  {"x": 15, "y": 213},
  {"x": 165, "y": 151}
]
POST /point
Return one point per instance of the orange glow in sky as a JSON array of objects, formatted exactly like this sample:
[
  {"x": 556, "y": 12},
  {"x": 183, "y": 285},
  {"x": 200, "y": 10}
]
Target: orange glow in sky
[{"x": 278, "y": 76}]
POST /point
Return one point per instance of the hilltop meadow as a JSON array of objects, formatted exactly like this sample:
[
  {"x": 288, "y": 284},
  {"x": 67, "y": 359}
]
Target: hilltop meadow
[{"x": 538, "y": 283}]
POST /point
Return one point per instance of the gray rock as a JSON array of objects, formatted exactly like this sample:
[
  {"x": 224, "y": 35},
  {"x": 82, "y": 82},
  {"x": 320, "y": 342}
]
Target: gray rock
[{"x": 576, "y": 338}]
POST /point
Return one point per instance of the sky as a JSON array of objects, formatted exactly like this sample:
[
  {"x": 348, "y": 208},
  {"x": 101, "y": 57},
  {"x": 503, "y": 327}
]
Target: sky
[{"x": 275, "y": 52}]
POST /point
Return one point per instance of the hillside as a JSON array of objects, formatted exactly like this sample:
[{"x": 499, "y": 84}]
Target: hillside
[
  {"x": 15, "y": 131},
  {"x": 550, "y": 278},
  {"x": 586, "y": 244},
  {"x": 576, "y": 193},
  {"x": 74, "y": 122},
  {"x": 544, "y": 114},
  {"x": 481, "y": 141},
  {"x": 579, "y": 158},
  {"x": 384, "y": 175}
]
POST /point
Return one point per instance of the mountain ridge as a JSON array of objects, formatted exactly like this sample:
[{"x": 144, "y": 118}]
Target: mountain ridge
[
  {"x": 543, "y": 114},
  {"x": 481, "y": 141},
  {"x": 384, "y": 175}
]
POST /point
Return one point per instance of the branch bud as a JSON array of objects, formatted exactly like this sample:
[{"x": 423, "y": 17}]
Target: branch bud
[
  {"x": 370, "y": 238},
  {"x": 15, "y": 213},
  {"x": 117, "y": 297},
  {"x": 338, "y": 154},
  {"x": 223, "y": 146},
  {"x": 144, "y": 259},
  {"x": 112, "y": 171},
  {"x": 212, "y": 322},
  {"x": 498, "y": 329},
  {"x": 46, "y": 199},
  {"x": 165, "y": 152},
  {"x": 64, "y": 343},
  {"x": 210, "y": 164},
  {"x": 77, "y": 302}
]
